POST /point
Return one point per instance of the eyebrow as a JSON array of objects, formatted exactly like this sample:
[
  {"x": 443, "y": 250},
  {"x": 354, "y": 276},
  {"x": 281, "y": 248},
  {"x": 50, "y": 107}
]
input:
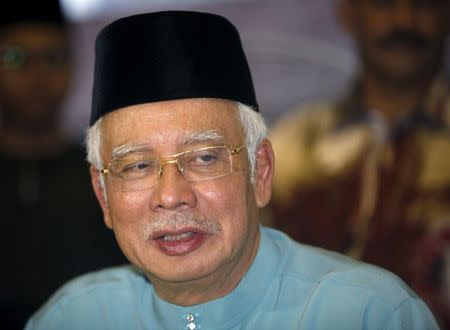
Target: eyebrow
[
  {"x": 126, "y": 149},
  {"x": 211, "y": 136}
]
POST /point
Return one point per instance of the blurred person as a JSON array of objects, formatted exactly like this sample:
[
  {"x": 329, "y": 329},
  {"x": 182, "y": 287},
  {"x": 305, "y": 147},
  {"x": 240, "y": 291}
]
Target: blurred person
[
  {"x": 51, "y": 224},
  {"x": 180, "y": 165},
  {"x": 369, "y": 174}
]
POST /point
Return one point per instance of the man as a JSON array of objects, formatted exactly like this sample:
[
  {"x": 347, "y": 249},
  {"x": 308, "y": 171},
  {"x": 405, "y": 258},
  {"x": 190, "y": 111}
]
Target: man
[
  {"x": 181, "y": 166},
  {"x": 369, "y": 175},
  {"x": 44, "y": 171}
]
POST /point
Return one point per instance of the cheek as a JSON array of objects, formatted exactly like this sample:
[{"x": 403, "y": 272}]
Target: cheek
[
  {"x": 226, "y": 202},
  {"x": 212, "y": 195},
  {"x": 59, "y": 82},
  {"x": 12, "y": 85},
  {"x": 221, "y": 193},
  {"x": 128, "y": 214},
  {"x": 371, "y": 25},
  {"x": 431, "y": 20},
  {"x": 128, "y": 207}
]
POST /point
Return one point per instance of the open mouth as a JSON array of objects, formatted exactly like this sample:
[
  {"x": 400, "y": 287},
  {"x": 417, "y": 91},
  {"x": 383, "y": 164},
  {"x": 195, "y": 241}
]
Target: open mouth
[
  {"x": 179, "y": 243},
  {"x": 177, "y": 237}
]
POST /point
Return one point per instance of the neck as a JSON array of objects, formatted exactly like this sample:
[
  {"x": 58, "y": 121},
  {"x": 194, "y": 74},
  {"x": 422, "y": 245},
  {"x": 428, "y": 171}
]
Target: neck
[{"x": 211, "y": 287}]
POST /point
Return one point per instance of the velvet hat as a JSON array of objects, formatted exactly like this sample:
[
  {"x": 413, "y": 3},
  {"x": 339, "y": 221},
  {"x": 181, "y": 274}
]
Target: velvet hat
[{"x": 167, "y": 56}]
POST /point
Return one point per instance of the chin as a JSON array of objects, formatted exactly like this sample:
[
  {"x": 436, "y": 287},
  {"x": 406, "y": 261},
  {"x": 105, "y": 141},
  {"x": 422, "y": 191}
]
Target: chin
[{"x": 178, "y": 273}]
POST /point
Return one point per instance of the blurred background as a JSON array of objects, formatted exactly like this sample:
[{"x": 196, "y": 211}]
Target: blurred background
[{"x": 295, "y": 48}]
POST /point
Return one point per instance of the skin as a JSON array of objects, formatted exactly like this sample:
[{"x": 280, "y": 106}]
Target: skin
[
  {"x": 31, "y": 96},
  {"x": 214, "y": 268},
  {"x": 396, "y": 78}
]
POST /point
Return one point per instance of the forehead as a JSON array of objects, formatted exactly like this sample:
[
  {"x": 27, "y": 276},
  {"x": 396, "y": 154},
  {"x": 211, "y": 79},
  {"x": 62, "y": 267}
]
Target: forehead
[
  {"x": 34, "y": 36},
  {"x": 171, "y": 122}
]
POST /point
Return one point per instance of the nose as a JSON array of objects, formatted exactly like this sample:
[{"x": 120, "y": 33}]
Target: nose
[
  {"x": 173, "y": 191},
  {"x": 404, "y": 13},
  {"x": 172, "y": 160}
]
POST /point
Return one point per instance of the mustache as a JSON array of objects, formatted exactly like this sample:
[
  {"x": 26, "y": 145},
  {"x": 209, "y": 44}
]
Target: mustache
[
  {"x": 179, "y": 221},
  {"x": 405, "y": 38}
]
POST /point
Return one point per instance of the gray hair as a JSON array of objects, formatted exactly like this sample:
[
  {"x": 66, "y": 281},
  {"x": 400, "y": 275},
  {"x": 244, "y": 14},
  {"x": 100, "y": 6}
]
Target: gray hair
[{"x": 255, "y": 131}]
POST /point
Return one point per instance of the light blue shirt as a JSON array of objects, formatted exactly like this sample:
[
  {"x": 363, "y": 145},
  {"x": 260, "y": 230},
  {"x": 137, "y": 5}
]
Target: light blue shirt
[{"x": 288, "y": 286}]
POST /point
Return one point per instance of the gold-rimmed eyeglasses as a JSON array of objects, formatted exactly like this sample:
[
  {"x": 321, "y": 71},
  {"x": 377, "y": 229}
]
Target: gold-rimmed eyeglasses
[{"x": 199, "y": 164}]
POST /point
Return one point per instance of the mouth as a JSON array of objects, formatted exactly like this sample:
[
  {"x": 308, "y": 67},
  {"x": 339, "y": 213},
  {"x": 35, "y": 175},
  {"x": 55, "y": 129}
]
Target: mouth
[
  {"x": 180, "y": 242},
  {"x": 177, "y": 237}
]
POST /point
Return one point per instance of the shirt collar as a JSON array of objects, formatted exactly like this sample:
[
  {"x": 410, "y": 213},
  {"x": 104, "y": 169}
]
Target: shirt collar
[{"x": 225, "y": 312}]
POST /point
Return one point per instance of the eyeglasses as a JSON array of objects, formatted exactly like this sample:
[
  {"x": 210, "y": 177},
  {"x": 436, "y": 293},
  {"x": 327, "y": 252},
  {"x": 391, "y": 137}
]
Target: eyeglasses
[
  {"x": 195, "y": 165},
  {"x": 15, "y": 58}
]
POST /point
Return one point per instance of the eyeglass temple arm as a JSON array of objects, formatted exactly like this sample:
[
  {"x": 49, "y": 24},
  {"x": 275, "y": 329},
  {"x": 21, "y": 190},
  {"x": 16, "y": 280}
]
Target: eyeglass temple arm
[{"x": 237, "y": 149}]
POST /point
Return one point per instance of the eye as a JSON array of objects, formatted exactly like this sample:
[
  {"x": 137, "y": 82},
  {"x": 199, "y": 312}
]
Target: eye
[
  {"x": 206, "y": 158},
  {"x": 135, "y": 169},
  {"x": 138, "y": 166},
  {"x": 203, "y": 157},
  {"x": 11, "y": 57}
]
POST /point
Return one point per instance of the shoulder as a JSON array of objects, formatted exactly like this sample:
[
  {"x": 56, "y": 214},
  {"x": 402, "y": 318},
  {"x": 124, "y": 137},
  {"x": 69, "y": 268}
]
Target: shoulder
[
  {"x": 119, "y": 276},
  {"x": 319, "y": 266},
  {"x": 317, "y": 113},
  {"x": 86, "y": 294},
  {"x": 320, "y": 281}
]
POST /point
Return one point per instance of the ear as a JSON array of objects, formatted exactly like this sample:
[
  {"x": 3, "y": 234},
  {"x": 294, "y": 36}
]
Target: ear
[
  {"x": 345, "y": 14},
  {"x": 100, "y": 193},
  {"x": 264, "y": 168}
]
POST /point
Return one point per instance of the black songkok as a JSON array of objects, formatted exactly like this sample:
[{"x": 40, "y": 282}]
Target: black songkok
[
  {"x": 167, "y": 56},
  {"x": 31, "y": 11}
]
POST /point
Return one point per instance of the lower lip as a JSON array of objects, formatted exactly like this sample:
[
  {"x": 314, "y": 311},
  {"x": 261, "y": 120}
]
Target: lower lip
[{"x": 182, "y": 246}]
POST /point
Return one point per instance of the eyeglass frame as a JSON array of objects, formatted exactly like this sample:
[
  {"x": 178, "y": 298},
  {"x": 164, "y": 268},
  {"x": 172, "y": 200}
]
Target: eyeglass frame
[{"x": 173, "y": 159}]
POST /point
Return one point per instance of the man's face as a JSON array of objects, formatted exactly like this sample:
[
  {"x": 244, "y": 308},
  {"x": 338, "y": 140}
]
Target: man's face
[
  {"x": 400, "y": 41},
  {"x": 223, "y": 236},
  {"x": 34, "y": 73}
]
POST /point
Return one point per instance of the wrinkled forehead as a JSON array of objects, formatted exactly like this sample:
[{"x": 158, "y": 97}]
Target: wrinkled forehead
[{"x": 172, "y": 124}]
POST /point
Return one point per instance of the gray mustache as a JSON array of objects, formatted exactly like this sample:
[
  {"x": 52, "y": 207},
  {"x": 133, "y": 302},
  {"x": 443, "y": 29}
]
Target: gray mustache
[{"x": 178, "y": 221}]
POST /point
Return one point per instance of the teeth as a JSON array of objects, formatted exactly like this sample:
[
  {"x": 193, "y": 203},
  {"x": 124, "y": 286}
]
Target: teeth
[{"x": 170, "y": 238}]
